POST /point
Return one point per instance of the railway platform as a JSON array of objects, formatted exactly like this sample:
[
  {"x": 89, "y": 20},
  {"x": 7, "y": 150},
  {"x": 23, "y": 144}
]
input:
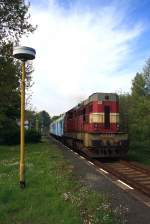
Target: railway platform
[{"x": 133, "y": 205}]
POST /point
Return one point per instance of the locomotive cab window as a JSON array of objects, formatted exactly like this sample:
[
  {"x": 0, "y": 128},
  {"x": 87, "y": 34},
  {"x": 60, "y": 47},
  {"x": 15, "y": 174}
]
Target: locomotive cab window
[{"x": 107, "y": 116}]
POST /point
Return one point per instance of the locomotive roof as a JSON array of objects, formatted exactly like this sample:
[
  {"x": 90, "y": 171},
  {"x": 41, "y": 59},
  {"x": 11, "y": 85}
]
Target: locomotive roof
[
  {"x": 97, "y": 97},
  {"x": 103, "y": 96}
]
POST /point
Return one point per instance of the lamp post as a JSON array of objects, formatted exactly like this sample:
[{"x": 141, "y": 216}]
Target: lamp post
[{"x": 23, "y": 53}]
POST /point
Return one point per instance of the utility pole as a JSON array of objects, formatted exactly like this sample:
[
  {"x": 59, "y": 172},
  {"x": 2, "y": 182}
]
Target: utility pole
[{"x": 23, "y": 53}]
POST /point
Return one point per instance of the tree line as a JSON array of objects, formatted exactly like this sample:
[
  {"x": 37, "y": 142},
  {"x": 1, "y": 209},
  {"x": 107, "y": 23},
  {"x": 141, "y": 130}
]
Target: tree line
[
  {"x": 135, "y": 111},
  {"x": 14, "y": 23}
]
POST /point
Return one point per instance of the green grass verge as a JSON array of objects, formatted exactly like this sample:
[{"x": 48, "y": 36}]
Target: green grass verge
[
  {"x": 52, "y": 194},
  {"x": 139, "y": 152}
]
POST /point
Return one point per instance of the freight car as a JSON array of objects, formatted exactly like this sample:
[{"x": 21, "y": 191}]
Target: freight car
[{"x": 93, "y": 127}]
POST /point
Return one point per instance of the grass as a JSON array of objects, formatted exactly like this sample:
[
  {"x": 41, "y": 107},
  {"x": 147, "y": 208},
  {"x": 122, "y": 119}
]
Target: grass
[
  {"x": 139, "y": 152},
  {"x": 52, "y": 195}
]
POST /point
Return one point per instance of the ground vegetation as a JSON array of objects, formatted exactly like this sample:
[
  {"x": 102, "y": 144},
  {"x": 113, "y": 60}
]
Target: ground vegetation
[{"x": 53, "y": 193}]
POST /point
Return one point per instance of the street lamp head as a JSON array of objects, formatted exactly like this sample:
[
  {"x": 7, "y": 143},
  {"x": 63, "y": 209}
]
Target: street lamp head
[{"x": 24, "y": 53}]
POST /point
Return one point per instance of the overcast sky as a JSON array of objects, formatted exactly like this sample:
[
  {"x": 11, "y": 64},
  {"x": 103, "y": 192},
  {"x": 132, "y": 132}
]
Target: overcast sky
[{"x": 86, "y": 46}]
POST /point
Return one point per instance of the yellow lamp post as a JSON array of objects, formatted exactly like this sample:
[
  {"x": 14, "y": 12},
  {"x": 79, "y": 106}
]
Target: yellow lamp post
[{"x": 23, "y": 53}]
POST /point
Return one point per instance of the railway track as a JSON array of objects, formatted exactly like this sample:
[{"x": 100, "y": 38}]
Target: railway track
[{"x": 136, "y": 176}]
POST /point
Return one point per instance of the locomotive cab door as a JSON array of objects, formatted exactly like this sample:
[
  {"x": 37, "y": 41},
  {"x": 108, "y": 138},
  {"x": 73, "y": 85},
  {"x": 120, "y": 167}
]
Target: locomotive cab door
[{"x": 107, "y": 117}]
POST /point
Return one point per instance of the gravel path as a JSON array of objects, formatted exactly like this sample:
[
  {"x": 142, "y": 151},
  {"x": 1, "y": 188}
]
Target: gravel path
[{"x": 132, "y": 210}]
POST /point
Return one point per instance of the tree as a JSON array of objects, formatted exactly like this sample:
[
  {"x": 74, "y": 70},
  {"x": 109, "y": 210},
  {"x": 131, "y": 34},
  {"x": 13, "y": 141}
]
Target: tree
[
  {"x": 140, "y": 108},
  {"x": 14, "y": 19},
  {"x": 141, "y": 82},
  {"x": 146, "y": 74},
  {"x": 9, "y": 95},
  {"x": 135, "y": 109},
  {"x": 138, "y": 85},
  {"x": 124, "y": 106},
  {"x": 13, "y": 24},
  {"x": 44, "y": 121},
  {"x": 30, "y": 116}
]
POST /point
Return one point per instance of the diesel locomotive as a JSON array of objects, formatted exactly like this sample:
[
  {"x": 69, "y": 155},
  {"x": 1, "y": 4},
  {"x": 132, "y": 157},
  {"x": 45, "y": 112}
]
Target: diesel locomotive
[{"x": 93, "y": 127}]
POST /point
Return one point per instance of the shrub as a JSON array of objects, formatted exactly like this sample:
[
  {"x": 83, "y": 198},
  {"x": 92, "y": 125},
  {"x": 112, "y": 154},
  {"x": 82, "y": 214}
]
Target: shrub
[
  {"x": 10, "y": 134},
  {"x": 32, "y": 136}
]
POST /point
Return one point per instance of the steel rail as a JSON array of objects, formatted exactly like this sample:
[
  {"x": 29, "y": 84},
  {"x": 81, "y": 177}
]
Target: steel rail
[
  {"x": 136, "y": 177},
  {"x": 128, "y": 173}
]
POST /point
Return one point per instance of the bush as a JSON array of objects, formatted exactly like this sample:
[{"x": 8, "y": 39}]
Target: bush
[
  {"x": 32, "y": 136},
  {"x": 10, "y": 134}
]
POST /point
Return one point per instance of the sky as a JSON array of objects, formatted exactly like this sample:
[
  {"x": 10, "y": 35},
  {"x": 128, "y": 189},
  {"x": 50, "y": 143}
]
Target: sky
[{"x": 86, "y": 46}]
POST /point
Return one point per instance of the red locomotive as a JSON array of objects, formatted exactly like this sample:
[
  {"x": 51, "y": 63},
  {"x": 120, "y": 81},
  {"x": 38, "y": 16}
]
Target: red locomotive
[{"x": 93, "y": 127}]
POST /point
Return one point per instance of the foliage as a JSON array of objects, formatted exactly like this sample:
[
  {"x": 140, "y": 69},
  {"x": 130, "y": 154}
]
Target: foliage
[
  {"x": 140, "y": 152},
  {"x": 138, "y": 85},
  {"x": 146, "y": 73},
  {"x": 43, "y": 122},
  {"x": 38, "y": 121},
  {"x": 10, "y": 135},
  {"x": 32, "y": 136},
  {"x": 14, "y": 19},
  {"x": 9, "y": 92},
  {"x": 140, "y": 118},
  {"x": 44, "y": 119},
  {"x": 137, "y": 108},
  {"x": 9, "y": 100},
  {"x": 140, "y": 109},
  {"x": 30, "y": 116},
  {"x": 124, "y": 102},
  {"x": 13, "y": 24}
]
